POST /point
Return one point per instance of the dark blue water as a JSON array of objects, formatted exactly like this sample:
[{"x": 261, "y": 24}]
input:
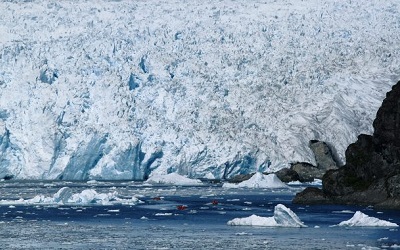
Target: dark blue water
[{"x": 157, "y": 223}]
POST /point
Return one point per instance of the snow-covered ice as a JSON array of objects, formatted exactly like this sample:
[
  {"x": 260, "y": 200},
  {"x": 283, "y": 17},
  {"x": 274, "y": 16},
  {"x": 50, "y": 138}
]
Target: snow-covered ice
[
  {"x": 259, "y": 180},
  {"x": 360, "y": 219},
  {"x": 173, "y": 179},
  {"x": 124, "y": 89},
  {"x": 283, "y": 217}
]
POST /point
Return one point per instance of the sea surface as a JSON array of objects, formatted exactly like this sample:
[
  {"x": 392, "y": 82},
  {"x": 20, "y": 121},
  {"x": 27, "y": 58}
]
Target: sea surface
[{"x": 178, "y": 217}]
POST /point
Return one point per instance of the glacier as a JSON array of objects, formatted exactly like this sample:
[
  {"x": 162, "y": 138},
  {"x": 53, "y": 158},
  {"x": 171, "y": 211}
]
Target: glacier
[{"x": 112, "y": 90}]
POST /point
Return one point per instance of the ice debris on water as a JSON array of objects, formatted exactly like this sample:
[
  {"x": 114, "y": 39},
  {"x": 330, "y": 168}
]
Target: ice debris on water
[
  {"x": 316, "y": 182},
  {"x": 65, "y": 197},
  {"x": 283, "y": 217},
  {"x": 259, "y": 180},
  {"x": 360, "y": 219},
  {"x": 173, "y": 179}
]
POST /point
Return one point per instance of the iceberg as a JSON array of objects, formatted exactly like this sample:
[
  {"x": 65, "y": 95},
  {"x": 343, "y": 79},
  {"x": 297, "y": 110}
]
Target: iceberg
[
  {"x": 259, "y": 180},
  {"x": 360, "y": 219},
  {"x": 173, "y": 179},
  {"x": 65, "y": 197},
  {"x": 283, "y": 217}
]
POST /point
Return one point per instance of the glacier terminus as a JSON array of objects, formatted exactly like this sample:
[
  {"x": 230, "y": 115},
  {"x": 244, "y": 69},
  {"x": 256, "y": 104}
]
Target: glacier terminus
[{"x": 123, "y": 90}]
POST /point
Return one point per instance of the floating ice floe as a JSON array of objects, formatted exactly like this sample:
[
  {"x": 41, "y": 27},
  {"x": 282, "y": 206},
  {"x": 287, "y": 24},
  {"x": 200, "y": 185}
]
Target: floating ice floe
[
  {"x": 283, "y": 217},
  {"x": 360, "y": 219},
  {"x": 259, "y": 180},
  {"x": 65, "y": 197},
  {"x": 316, "y": 182},
  {"x": 343, "y": 212},
  {"x": 173, "y": 179}
]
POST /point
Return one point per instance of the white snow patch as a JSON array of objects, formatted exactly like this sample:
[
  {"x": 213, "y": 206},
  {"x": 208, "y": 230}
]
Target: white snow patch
[
  {"x": 258, "y": 180},
  {"x": 173, "y": 179},
  {"x": 360, "y": 219},
  {"x": 283, "y": 217}
]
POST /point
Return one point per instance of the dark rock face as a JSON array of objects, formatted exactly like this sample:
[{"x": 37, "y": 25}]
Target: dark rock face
[
  {"x": 371, "y": 175},
  {"x": 387, "y": 122},
  {"x": 307, "y": 172},
  {"x": 311, "y": 195},
  {"x": 240, "y": 177},
  {"x": 287, "y": 175},
  {"x": 323, "y": 155}
]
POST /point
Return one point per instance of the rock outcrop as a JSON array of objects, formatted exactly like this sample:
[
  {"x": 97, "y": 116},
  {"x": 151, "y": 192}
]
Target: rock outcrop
[
  {"x": 287, "y": 175},
  {"x": 323, "y": 155},
  {"x": 371, "y": 175},
  {"x": 240, "y": 177},
  {"x": 306, "y": 172}
]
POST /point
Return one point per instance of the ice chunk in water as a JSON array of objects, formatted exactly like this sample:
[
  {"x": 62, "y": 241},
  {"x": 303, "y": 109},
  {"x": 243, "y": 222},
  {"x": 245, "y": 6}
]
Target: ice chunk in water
[
  {"x": 283, "y": 217},
  {"x": 360, "y": 219},
  {"x": 62, "y": 195},
  {"x": 259, "y": 180},
  {"x": 286, "y": 217},
  {"x": 173, "y": 179},
  {"x": 66, "y": 196}
]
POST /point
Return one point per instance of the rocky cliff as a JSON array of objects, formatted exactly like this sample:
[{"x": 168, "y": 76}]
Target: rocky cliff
[{"x": 371, "y": 175}]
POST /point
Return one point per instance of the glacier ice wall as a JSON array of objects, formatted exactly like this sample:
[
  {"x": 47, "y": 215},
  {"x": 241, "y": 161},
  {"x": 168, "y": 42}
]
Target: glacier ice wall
[{"x": 121, "y": 89}]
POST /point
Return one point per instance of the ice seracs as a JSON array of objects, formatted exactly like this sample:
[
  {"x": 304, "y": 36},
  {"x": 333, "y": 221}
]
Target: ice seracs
[
  {"x": 360, "y": 219},
  {"x": 259, "y": 180},
  {"x": 283, "y": 217}
]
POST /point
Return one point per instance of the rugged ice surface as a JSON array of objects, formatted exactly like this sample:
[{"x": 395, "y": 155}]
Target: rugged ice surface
[
  {"x": 65, "y": 196},
  {"x": 123, "y": 89},
  {"x": 360, "y": 219},
  {"x": 283, "y": 217},
  {"x": 258, "y": 180}
]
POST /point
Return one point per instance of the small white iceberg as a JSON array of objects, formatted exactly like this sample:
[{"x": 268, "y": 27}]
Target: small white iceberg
[
  {"x": 283, "y": 217},
  {"x": 259, "y": 180},
  {"x": 173, "y": 179},
  {"x": 360, "y": 219},
  {"x": 316, "y": 182}
]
